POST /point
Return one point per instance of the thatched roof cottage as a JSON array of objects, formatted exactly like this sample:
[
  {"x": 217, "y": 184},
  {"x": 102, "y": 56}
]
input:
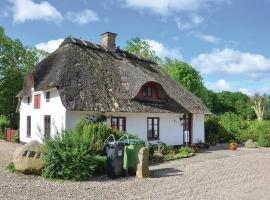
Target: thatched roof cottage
[{"x": 83, "y": 78}]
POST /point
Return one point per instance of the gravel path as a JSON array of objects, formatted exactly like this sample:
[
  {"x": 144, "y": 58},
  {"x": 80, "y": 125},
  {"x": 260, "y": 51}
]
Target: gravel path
[{"x": 243, "y": 174}]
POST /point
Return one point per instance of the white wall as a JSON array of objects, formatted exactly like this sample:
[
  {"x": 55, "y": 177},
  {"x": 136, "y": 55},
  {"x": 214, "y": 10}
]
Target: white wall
[
  {"x": 171, "y": 131},
  {"x": 198, "y": 128},
  {"x": 54, "y": 108}
]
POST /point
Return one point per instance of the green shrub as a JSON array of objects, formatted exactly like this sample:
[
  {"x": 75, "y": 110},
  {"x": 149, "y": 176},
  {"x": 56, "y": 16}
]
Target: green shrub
[
  {"x": 73, "y": 154},
  {"x": 4, "y": 122},
  {"x": 101, "y": 164},
  {"x": 185, "y": 150},
  {"x": 68, "y": 156},
  {"x": 2, "y": 135},
  {"x": 98, "y": 133},
  {"x": 16, "y": 138},
  {"x": 11, "y": 167},
  {"x": 262, "y": 141}
]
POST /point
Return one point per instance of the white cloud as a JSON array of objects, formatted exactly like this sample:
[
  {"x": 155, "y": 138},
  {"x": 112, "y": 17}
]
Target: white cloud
[
  {"x": 192, "y": 21},
  {"x": 83, "y": 17},
  {"x": 220, "y": 85},
  {"x": 251, "y": 92},
  {"x": 163, "y": 51},
  {"x": 49, "y": 46},
  {"x": 206, "y": 37},
  {"x": 23, "y": 10},
  {"x": 164, "y": 7},
  {"x": 232, "y": 62}
]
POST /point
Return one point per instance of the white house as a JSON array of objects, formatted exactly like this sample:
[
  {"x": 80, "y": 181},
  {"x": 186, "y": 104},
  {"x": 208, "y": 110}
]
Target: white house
[{"x": 83, "y": 78}]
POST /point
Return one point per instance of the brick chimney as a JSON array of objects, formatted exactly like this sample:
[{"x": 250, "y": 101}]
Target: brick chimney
[{"x": 108, "y": 40}]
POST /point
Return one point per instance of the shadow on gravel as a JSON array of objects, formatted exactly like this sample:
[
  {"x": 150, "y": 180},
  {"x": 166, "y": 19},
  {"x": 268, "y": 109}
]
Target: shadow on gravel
[{"x": 166, "y": 172}]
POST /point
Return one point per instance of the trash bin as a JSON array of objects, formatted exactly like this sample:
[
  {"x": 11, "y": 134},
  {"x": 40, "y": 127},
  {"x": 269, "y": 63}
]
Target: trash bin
[
  {"x": 115, "y": 155},
  {"x": 132, "y": 148}
]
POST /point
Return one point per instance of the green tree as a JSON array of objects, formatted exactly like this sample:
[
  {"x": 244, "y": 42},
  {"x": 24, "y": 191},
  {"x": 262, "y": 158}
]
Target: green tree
[
  {"x": 140, "y": 47},
  {"x": 185, "y": 74},
  {"x": 235, "y": 102},
  {"x": 15, "y": 61}
]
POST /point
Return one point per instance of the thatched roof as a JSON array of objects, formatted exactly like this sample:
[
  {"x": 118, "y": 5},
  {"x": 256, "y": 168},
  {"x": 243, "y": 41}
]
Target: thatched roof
[{"x": 91, "y": 78}]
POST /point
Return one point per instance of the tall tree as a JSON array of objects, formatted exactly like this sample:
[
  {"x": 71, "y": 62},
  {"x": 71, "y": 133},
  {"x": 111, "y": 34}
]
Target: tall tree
[
  {"x": 185, "y": 74},
  {"x": 258, "y": 106},
  {"x": 140, "y": 47},
  {"x": 15, "y": 61}
]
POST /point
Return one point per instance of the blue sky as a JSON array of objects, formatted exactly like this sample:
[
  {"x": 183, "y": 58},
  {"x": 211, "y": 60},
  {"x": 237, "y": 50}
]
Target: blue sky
[{"x": 226, "y": 40}]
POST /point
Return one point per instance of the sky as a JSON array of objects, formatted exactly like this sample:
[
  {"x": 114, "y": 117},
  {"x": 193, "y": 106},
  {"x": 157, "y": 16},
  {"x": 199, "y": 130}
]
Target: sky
[{"x": 227, "y": 41}]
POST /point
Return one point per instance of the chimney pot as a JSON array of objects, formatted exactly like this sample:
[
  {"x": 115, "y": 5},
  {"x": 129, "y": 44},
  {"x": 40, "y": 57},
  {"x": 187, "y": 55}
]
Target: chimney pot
[{"x": 108, "y": 40}]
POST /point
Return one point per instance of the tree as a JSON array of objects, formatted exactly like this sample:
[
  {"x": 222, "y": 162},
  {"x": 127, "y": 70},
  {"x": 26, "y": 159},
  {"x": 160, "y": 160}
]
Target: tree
[
  {"x": 140, "y": 47},
  {"x": 258, "y": 104},
  {"x": 235, "y": 102},
  {"x": 15, "y": 61},
  {"x": 185, "y": 74}
]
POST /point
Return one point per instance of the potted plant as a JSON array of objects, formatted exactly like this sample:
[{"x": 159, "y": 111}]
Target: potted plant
[{"x": 233, "y": 145}]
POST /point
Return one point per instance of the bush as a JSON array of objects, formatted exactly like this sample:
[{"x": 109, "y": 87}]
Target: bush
[
  {"x": 16, "y": 138},
  {"x": 2, "y": 136},
  {"x": 4, "y": 122},
  {"x": 98, "y": 133},
  {"x": 73, "y": 154},
  {"x": 101, "y": 164},
  {"x": 68, "y": 156},
  {"x": 185, "y": 150},
  {"x": 11, "y": 167},
  {"x": 262, "y": 141}
]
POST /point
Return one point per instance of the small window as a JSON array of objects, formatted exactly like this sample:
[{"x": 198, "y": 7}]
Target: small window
[
  {"x": 153, "y": 128},
  {"x": 28, "y": 100},
  {"x": 47, "y": 126},
  {"x": 147, "y": 91},
  {"x": 118, "y": 123},
  {"x": 37, "y": 101},
  {"x": 28, "y": 126},
  {"x": 48, "y": 95}
]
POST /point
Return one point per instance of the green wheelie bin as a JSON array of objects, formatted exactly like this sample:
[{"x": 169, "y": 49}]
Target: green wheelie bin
[{"x": 132, "y": 148}]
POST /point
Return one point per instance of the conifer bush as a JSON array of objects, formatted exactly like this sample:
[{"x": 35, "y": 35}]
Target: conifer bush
[{"x": 77, "y": 154}]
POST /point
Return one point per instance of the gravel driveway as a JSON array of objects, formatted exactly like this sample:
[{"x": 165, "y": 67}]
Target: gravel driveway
[{"x": 219, "y": 174}]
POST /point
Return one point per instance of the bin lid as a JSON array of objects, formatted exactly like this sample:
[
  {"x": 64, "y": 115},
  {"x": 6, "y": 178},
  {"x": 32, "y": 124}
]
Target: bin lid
[{"x": 135, "y": 141}]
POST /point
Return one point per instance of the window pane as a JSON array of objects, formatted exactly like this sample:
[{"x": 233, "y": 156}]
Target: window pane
[
  {"x": 114, "y": 121},
  {"x": 121, "y": 121},
  {"x": 155, "y": 121},
  {"x": 149, "y": 120},
  {"x": 156, "y": 134},
  {"x": 156, "y": 127}
]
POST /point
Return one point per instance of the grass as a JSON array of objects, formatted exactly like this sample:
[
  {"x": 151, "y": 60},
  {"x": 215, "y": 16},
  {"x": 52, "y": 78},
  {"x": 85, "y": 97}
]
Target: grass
[{"x": 11, "y": 167}]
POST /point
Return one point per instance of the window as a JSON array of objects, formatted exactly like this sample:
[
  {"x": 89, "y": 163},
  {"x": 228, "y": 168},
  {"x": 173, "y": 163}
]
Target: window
[
  {"x": 153, "y": 128},
  {"x": 37, "y": 101},
  {"x": 28, "y": 126},
  {"x": 147, "y": 91},
  {"x": 28, "y": 100},
  {"x": 48, "y": 94},
  {"x": 118, "y": 123},
  {"x": 47, "y": 126}
]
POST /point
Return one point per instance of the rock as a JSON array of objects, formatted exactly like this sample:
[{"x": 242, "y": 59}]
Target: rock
[
  {"x": 250, "y": 144},
  {"x": 27, "y": 159},
  {"x": 158, "y": 157},
  {"x": 143, "y": 164}
]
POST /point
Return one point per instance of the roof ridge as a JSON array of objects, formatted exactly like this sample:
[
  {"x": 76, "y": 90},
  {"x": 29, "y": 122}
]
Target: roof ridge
[{"x": 100, "y": 47}]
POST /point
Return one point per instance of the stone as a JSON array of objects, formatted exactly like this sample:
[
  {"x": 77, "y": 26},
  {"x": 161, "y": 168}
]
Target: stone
[
  {"x": 27, "y": 159},
  {"x": 158, "y": 157},
  {"x": 143, "y": 164},
  {"x": 250, "y": 144}
]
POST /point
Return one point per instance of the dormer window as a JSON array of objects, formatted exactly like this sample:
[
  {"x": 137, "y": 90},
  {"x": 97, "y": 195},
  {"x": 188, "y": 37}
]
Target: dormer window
[
  {"x": 147, "y": 91},
  {"x": 150, "y": 91}
]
